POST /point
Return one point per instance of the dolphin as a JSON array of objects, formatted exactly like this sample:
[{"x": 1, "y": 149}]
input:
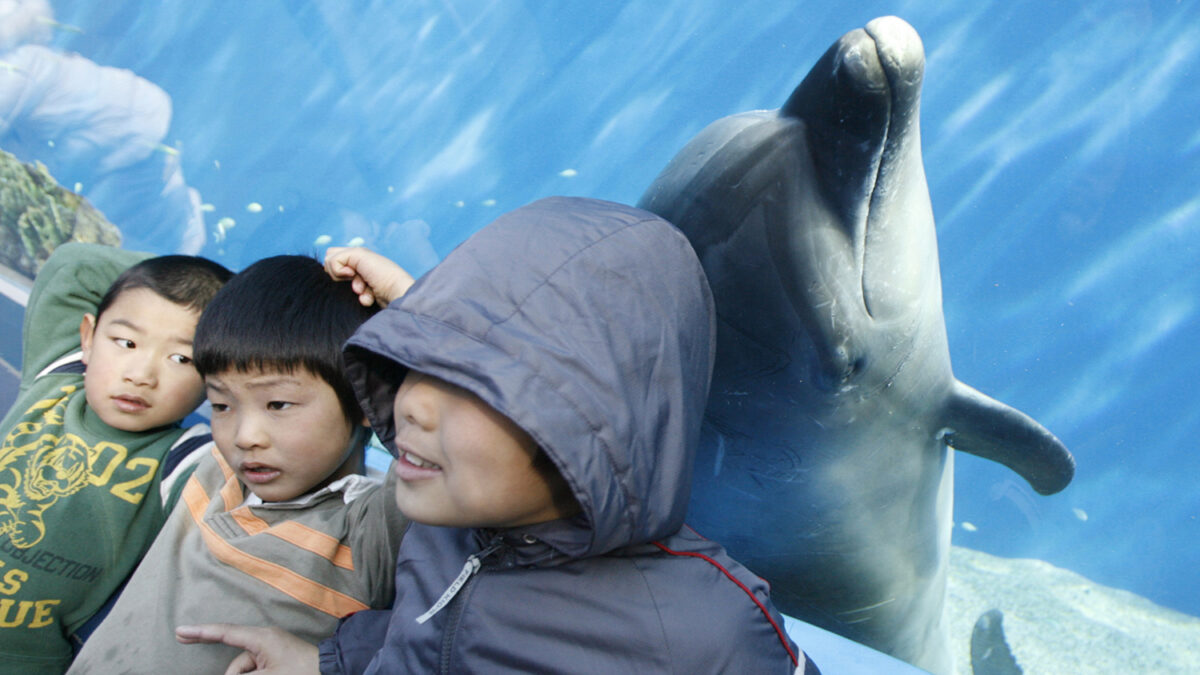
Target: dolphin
[{"x": 825, "y": 463}]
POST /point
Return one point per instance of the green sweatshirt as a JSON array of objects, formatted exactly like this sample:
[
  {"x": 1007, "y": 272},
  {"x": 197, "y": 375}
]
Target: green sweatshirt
[{"x": 79, "y": 500}]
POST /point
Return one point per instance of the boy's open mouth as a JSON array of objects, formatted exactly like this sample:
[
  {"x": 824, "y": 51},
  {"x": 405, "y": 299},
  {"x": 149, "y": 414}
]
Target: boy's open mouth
[
  {"x": 258, "y": 473},
  {"x": 417, "y": 461},
  {"x": 130, "y": 404}
]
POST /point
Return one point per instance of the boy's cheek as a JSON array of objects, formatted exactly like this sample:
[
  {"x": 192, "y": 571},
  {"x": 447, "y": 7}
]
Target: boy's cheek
[
  {"x": 224, "y": 431},
  {"x": 195, "y": 391},
  {"x": 188, "y": 394},
  {"x": 218, "y": 426},
  {"x": 90, "y": 388}
]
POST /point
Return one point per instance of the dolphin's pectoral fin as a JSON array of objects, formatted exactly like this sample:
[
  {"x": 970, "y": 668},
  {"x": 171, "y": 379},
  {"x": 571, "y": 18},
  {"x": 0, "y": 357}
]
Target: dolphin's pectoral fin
[{"x": 985, "y": 427}]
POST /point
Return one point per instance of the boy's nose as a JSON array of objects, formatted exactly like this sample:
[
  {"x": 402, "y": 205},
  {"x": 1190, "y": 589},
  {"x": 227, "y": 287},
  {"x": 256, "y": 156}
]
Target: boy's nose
[
  {"x": 414, "y": 407},
  {"x": 249, "y": 435},
  {"x": 141, "y": 372}
]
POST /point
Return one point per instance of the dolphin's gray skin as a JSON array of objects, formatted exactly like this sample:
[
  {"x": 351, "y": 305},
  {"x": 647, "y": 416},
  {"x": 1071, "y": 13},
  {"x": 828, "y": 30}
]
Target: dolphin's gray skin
[{"x": 825, "y": 465}]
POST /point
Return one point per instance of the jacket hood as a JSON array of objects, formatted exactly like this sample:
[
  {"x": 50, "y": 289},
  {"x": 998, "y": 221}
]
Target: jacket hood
[{"x": 591, "y": 326}]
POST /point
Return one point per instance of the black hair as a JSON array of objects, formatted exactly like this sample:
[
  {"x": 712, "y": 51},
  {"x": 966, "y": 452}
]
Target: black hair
[
  {"x": 279, "y": 314},
  {"x": 186, "y": 280}
]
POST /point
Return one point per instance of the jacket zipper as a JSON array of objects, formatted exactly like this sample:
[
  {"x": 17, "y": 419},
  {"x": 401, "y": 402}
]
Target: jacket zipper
[
  {"x": 450, "y": 632},
  {"x": 469, "y": 569},
  {"x": 465, "y": 578}
]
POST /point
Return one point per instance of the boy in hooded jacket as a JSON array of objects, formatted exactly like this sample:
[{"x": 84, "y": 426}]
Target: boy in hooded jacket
[{"x": 542, "y": 389}]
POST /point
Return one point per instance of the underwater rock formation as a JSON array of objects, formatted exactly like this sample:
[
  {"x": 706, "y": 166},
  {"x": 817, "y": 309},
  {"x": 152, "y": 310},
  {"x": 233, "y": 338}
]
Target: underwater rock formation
[
  {"x": 104, "y": 128},
  {"x": 990, "y": 653},
  {"x": 37, "y": 214}
]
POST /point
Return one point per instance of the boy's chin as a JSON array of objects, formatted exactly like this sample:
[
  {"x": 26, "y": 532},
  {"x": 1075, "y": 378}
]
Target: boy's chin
[
  {"x": 145, "y": 420},
  {"x": 129, "y": 423},
  {"x": 268, "y": 496},
  {"x": 279, "y": 489},
  {"x": 423, "y": 514}
]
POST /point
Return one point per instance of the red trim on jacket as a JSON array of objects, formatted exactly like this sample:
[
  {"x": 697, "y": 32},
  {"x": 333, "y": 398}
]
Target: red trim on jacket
[{"x": 778, "y": 629}]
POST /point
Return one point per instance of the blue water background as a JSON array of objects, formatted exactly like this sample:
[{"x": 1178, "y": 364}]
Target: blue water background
[{"x": 1061, "y": 141}]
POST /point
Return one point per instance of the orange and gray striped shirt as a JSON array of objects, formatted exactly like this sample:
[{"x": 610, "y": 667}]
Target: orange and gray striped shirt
[{"x": 299, "y": 565}]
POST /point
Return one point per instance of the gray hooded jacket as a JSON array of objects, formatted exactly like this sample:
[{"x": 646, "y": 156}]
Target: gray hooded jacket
[{"x": 590, "y": 325}]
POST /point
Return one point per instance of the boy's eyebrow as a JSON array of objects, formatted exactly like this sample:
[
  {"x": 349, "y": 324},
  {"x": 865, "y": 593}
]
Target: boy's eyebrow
[
  {"x": 177, "y": 339},
  {"x": 271, "y": 381},
  {"x": 264, "y": 383},
  {"x": 126, "y": 323}
]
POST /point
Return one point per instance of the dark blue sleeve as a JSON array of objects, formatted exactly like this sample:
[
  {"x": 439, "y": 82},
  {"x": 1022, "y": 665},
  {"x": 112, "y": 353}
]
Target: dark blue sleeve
[{"x": 355, "y": 643}]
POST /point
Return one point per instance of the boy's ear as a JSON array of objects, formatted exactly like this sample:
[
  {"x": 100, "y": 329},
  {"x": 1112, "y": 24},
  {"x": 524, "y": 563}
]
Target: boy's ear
[
  {"x": 365, "y": 422},
  {"x": 87, "y": 330}
]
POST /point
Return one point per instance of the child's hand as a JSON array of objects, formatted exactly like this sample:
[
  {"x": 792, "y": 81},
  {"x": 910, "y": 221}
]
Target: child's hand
[
  {"x": 268, "y": 650},
  {"x": 373, "y": 277}
]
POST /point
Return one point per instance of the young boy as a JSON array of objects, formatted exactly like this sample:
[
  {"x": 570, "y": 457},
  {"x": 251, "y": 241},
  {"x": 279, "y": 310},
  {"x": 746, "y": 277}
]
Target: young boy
[
  {"x": 277, "y": 525},
  {"x": 543, "y": 389},
  {"x": 105, "y": 380}
]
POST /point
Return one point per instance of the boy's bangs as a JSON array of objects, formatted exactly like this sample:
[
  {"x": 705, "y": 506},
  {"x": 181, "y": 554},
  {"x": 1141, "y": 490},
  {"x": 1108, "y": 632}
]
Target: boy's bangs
[
  {"x": 280, "y": 314},
  {"x": 189, "y": 281}
]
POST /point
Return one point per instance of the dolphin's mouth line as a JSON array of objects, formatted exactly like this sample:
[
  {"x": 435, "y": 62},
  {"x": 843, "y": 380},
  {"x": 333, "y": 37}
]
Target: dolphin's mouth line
[{"x": 875, "y": 179}]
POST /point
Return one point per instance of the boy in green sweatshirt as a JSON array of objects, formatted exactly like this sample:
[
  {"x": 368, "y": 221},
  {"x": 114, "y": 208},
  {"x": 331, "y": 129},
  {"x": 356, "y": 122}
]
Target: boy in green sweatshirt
[{"x": 106, "y": 379}]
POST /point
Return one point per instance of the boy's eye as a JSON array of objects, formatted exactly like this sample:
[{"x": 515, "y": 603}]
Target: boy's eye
[
  {"x": 181, "y": 359},
  {"x": 279, "y": 405},
  {"x": 218, "y": 407},
  {"x": 123, "y": 343}
]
